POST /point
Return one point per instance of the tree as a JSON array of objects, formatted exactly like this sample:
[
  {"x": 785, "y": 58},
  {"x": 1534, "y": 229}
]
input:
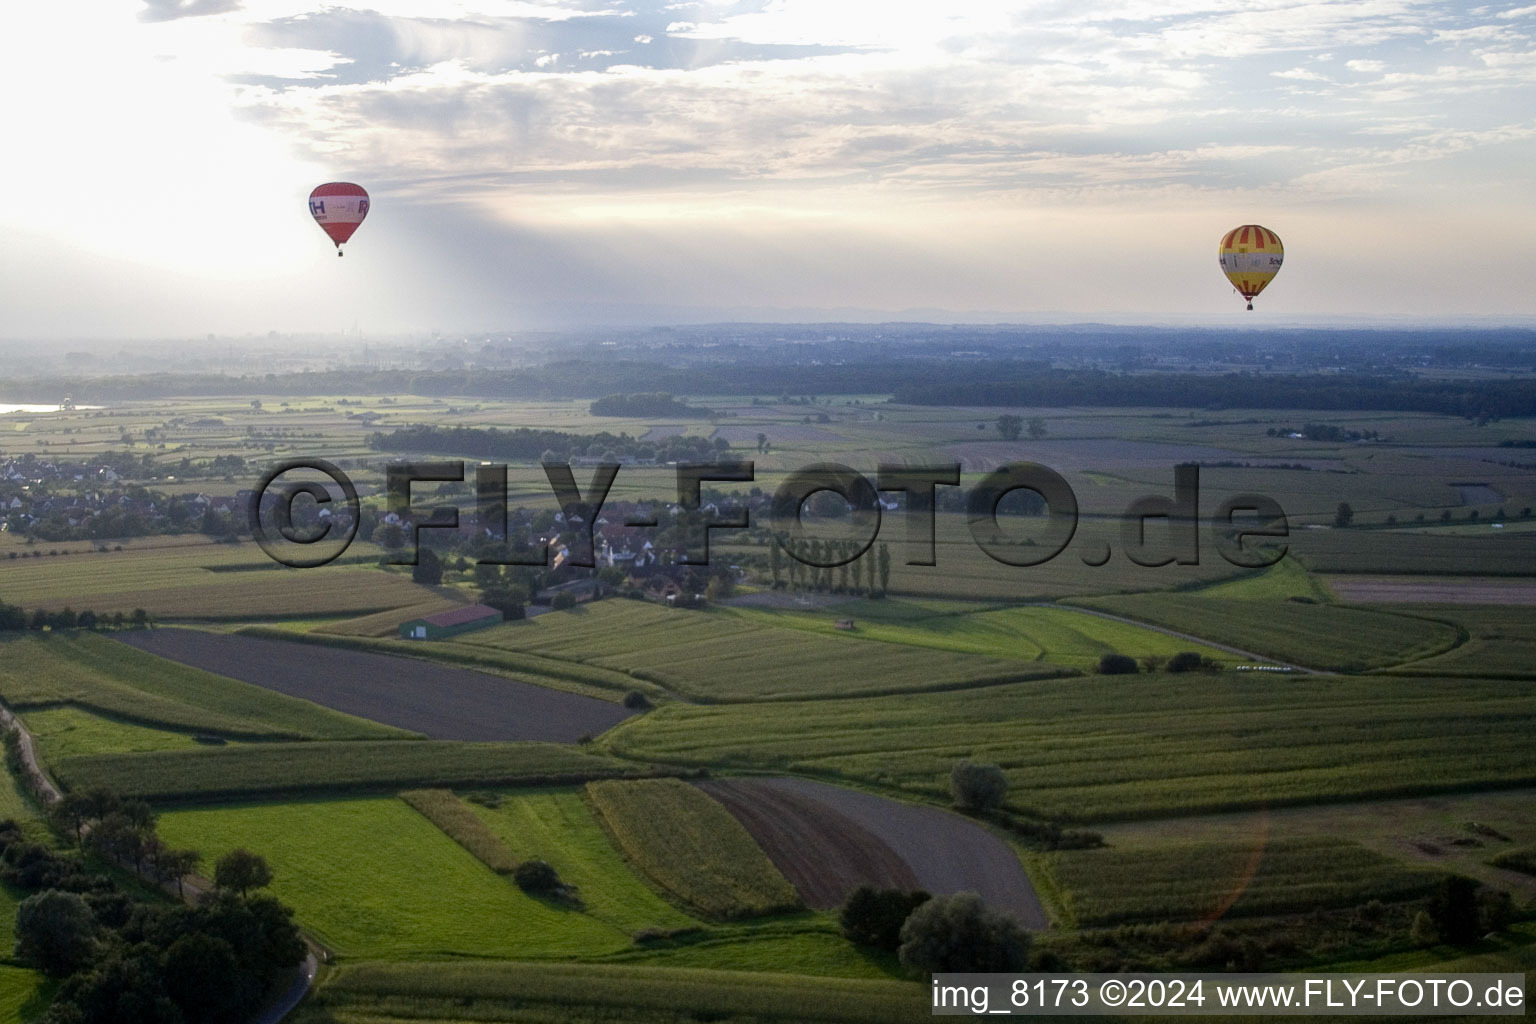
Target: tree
[
  {"x": 389, "y": 535},
  {"x": 1009, "y": 427},
  {"x": 1117, "y": 665},
  {"x": 175, "y": 865},
  {"x": 885, "y": 567},
  {"x": 1036, "y": 428},
  {"x": 976, "y": 786},
  {"x": 1343, "y": 515},
  {"x": 55, "y": 932},
  {"x": 197, "y": 969},
  {"x": 563, "y": 601},
  {"x": 956, "y": 934},
  {"x": 873, "y": 917},
  {"x": 775, "y": 563},
  {"x": 1453, "y": 911},
  {"x": 240, "y": 871},
  {"x": 428, "y": 569},
  {"x": 140, "y": 618},
  {"x": 762, "y": 442},
  {"x": 536, "y": 876}
]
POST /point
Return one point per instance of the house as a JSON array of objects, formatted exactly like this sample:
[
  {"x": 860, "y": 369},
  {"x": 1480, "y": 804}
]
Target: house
[
  {"x": 450, "y": 623},
  {"x": 843, "y": 624}
]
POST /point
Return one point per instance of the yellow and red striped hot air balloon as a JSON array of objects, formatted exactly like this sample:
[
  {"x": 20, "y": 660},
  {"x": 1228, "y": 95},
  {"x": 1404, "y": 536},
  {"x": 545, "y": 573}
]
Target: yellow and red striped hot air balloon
[{"x": 1250, "y": 257}]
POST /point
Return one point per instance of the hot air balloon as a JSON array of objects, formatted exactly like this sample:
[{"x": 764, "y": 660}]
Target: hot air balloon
[
  {"x": 338, "y": 207},
  {"x": 1250, "y": 256}
]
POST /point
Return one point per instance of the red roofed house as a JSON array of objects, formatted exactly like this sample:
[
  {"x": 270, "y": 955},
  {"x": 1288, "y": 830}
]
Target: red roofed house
[{"x": 450, "y": 623}]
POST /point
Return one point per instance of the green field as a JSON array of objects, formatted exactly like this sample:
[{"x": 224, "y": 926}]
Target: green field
[
  {"x": 71, "y": 732},
  {"x": 1204, "y": 881},
  {"x": 557, "y": 825},
  {"x": 710, "y": 657},
  {"x": 1055, "y": 635},
  {"x": 1114, "y": 747},
  {"x": 23, "y": 994},
  {"x": 372, "y": 878},
  {"x": 1311, "y": 635},
  {"x": 691, "y": 846},
  {"x": 1501, "y": 641},
  {"x": 386, "y": 993},
  {"x": 100, "y": 674},
  {"x": 192, "y": 578},
  {"x": 266, "y": 769}
]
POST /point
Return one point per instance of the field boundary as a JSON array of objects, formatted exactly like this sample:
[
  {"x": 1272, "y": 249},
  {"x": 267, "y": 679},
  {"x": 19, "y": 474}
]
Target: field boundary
[{"x": 1250, "y": 655}]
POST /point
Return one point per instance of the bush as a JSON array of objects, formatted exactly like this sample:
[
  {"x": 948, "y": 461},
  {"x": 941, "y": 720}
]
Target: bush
[
  {"x": 563, "y": 601},
  {"x": 536, "y": 876},
  {"x": 1423, "y": 931},
  {"x": 1117, "y": 665},
  {"x": 636, "y": 700},
  {"x": 1185, "y": 661},
  {"x": 976, "y": 786},
  {"x": 873, "y": 917},
  {"x": 957, "y": 934}
]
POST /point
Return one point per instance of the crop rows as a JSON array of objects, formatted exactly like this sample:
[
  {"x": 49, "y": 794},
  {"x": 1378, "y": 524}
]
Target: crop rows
[
  {"x": 459, "y": 823},
  {"x": 692, "y": 847},
  {"x": 1116, "y": 747},
  {"x": 261, "y": 769},
  {"x": 1314, "y": 635},
  {"x": 1204, "y": 881},
  {"x": 715, "y": 657},
  {"x": 587, "y": 992}
]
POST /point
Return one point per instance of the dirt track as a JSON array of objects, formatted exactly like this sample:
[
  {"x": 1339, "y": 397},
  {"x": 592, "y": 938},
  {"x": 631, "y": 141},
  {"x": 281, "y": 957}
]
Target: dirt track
[
  {"x": 825, "y": 838},
  {"x": 443, "y": 702}
]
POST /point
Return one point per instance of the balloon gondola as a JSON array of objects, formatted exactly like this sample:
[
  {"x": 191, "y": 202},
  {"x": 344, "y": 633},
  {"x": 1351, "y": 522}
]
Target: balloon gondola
[
  {"x": 1250, "y": 256},
  {"x": 339, "y": 208}
]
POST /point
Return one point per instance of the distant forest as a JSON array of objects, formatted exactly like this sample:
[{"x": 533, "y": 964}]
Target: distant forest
[
  {"x": 525, "y": 444},
  {"x": 649, "y": 404},
  {"x": 983, "y": 382}
]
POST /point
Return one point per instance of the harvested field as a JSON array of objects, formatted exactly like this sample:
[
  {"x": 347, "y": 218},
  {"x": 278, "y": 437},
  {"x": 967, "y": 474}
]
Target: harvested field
[
  {"x": 1408, "y": 590},
  {"x": 824, "y": 854},
  {"x": 941, "y": 852},
  {"x": 439, "y": 701}
]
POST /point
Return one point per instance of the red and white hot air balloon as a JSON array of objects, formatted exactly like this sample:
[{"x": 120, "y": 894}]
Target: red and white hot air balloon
[{"x": 338, "y": 207}]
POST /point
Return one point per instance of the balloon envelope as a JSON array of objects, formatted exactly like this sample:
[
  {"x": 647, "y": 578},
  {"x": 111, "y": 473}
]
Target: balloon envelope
[
  {"x": 338, "y": 207},
  {"x": 1250, "y": 256}
]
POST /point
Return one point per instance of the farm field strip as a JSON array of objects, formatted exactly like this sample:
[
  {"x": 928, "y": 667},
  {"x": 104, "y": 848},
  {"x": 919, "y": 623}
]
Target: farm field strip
[
  {"x": 1115, "y": 747},
  {"x": 256, "y": 770},
  {"x": 439, "y": 701},
  {"x": 1318, "y": 636},
  {"x": 1189, "y": 881},
  {"x": 940, "y": 850},
  {"x": 620, "y": 995},
  {"x": 725, "y": 657},
  {"x": 689, "y": 845},
  {"x": 445, "y": 810},
  {"x": 99, "y": 673}
]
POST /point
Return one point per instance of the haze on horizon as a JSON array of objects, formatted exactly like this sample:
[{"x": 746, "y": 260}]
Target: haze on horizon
[{"x": 536, "y": 162}]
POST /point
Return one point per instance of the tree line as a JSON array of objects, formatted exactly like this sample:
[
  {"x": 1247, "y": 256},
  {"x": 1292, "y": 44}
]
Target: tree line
[
  {"x": 14, "y": 619},
  {"x": 117, "y": 956},
  {"x": 647, "y": 404},
  {"x": 526, "y": 444}
]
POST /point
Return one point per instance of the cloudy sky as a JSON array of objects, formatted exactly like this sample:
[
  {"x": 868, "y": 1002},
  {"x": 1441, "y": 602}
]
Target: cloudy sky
[{"x": 535, "y": 161}]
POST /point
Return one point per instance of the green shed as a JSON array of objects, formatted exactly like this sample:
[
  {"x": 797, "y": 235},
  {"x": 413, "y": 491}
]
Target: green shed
[{"x": 450, "y": 623}]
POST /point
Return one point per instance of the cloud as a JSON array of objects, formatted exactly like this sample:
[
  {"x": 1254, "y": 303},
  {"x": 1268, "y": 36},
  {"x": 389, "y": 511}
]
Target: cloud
[{"x": 170, "y": 10}]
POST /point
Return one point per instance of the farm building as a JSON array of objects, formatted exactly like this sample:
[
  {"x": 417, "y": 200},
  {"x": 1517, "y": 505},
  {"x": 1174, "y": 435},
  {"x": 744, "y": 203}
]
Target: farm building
[{"x": 450, "y": 623}]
